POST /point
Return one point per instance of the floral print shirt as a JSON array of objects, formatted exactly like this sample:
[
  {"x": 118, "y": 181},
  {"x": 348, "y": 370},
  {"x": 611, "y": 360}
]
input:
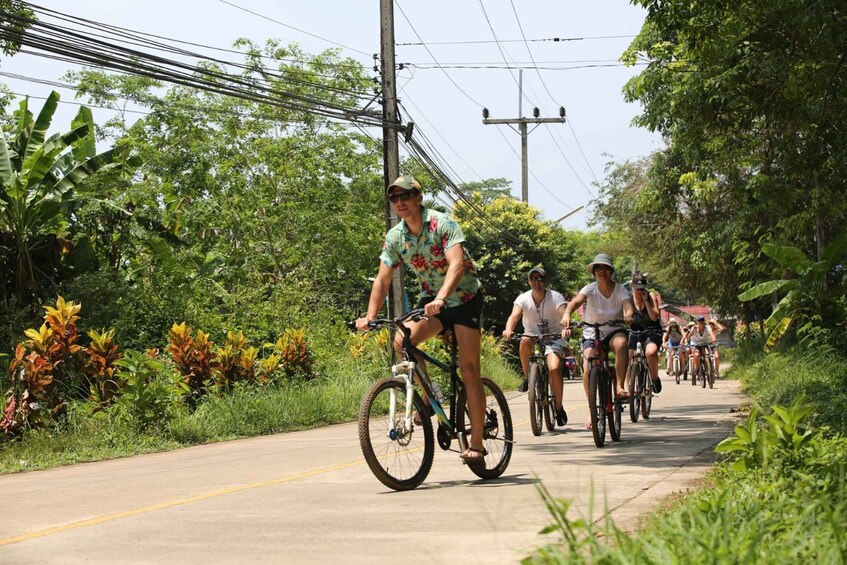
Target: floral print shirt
[{"x": 425, "y": 255}]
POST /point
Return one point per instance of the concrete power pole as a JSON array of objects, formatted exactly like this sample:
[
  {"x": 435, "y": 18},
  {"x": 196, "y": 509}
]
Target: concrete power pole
[
  {"x": 391, "y": 152},
  {"x": 522, "y": 129}
]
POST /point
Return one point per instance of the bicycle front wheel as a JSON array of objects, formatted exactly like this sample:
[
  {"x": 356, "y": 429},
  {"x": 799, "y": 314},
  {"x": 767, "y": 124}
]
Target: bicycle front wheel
[
  {"x": 535, "y": 394},
  {"x": 597, "y": 393},
  {"x": 549, "y": 403},
  {"x": 400, "y": 458},
  {"x": 497, "y": 439},
  {"x": 636, "y": 386}
]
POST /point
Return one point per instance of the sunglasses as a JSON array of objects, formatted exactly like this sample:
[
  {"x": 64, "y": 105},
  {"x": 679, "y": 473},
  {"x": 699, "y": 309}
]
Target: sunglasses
[
  {"x": 536, "y": 279},
  {"x": 401, "y": 197}
]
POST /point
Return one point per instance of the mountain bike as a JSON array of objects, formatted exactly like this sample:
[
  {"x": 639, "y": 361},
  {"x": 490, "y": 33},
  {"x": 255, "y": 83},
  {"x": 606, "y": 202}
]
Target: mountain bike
[
  {"x": 603, "y": 402},
  {"x": 395, "y": 425},
  {"x": 640, "y": 384},
  {"x": 542, "y": 402},
  {"x": 674, "y": 364},
  {"x": 705, "y": 372}
]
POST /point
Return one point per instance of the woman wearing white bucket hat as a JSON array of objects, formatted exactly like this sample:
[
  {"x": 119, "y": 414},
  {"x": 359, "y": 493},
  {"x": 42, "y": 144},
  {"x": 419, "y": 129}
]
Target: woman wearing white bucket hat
[{"x": 605, "y": 300}]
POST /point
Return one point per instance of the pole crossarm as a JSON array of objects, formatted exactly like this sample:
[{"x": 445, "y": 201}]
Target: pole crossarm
[{"x": 494, "y": 122}]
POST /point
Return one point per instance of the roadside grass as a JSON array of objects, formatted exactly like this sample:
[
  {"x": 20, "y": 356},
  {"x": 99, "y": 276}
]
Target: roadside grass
[
  {"x": 779, "y": 497},
  {"x": 331, "y": 397}
]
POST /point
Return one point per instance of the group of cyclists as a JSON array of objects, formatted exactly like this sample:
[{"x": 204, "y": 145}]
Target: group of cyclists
[{"x": 430, "y": 244}]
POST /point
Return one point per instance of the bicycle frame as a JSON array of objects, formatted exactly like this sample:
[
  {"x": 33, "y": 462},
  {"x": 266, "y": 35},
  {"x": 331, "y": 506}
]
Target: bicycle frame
[{"x": 409, "y": 367}]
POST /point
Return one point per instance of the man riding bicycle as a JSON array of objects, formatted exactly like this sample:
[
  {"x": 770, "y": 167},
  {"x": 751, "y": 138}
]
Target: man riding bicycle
[
  {"x": 540, "y": 310},
  {"x": 429, "y": 243}
]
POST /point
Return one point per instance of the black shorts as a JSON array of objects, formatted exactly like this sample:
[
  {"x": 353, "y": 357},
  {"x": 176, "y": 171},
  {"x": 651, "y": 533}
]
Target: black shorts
[
  {"x": 468, "y": 314},
  {"x": 645, "y": 339},
  {"x": 589, "y": 343}
]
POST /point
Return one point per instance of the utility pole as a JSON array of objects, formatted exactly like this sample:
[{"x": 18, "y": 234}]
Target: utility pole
[
  {"x": 390, "y": 145},
  {"x": 522, "y": 129}
]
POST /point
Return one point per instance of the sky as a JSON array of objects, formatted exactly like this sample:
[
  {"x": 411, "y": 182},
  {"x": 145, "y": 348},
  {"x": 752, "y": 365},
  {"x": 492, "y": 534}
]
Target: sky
[{"x": 566, "y": 161}]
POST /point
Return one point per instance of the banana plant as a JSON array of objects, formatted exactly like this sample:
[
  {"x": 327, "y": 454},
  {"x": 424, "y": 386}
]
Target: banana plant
[
  {"x": 39, "y": 175},
  {"x": 807, "y": 295}
]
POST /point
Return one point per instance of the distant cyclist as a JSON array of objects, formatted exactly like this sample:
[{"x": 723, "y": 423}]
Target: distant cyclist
[
  {"x": 671, "y": 339},
  {"x": 540, "y": 311},
  {"x": 699, "y": 337},
  {"x": 716, "y": 328}
]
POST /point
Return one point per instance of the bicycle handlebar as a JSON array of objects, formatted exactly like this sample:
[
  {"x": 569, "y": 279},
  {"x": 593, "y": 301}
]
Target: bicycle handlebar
[
  {"x": 516, "y": 337},
  {"x": 415, "y": 315},
  {"x": 584, "y": 324}
]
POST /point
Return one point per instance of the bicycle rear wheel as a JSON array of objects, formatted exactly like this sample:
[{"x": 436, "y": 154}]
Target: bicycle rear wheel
[
  {"x": 401, "y": 459},
  {"x": 597, "y": 392},
  {"x": 647, "y": 398},
  {"x": 535, "y": 394},
  {"x": 635, "y": 387},
  {"x": 497, "y": 439}
]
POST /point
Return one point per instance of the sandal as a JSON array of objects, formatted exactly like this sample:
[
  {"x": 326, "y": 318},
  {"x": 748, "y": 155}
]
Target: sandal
[{"x": 468, "y": 459}]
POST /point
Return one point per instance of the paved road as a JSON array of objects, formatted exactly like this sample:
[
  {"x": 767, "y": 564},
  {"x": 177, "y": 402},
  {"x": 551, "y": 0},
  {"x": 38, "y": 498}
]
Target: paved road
[{"x": 308, "y": 497}]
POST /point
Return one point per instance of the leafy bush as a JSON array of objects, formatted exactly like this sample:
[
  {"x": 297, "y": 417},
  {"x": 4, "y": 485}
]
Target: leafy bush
[{"x": 150, "y": 394}]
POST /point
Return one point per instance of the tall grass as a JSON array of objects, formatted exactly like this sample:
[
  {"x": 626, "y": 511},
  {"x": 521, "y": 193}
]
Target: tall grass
[
  {"x": 791, "y": 509},
  {"x": 342, "y": 375}
]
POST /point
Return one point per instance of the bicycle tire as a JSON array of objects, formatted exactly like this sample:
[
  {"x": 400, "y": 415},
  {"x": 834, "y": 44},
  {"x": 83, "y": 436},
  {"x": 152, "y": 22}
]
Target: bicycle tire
[
  {"x": 400, "y": 460},
  {"x": 635, "y": 388},
  {"x": 710, "y": 372},
  {"x": 549, "y": 404},
  {"x": 536, "y": 406},
  {"x": 597, "y": 390},
  {"x": 676, "y": 368},
  {"x": 647, "y": 398},
  {"x": 702, "y": 373},
  {"x": 497, "y": 438},
  {"x": 615, "y": 416}
]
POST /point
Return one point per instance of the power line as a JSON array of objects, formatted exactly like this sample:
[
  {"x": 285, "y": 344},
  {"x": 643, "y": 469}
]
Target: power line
[
  {"x": 294, "y": 28},
  {"x": 516, "y": 66},
  {"x": 468, "y": 96},
  {"x": 58, "y": 41},
  {"x": 549, "y": 39},
  {"x": 553, "y": 98},
  {"x": 502, "y": 53}
]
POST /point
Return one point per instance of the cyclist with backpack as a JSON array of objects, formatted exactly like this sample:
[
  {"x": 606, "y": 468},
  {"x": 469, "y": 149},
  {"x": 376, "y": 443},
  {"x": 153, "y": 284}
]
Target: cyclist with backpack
[{"x": 540, "y": 311}]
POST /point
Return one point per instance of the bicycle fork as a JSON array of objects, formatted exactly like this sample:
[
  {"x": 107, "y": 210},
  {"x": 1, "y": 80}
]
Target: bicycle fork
[{"x": 407, "y": 370}]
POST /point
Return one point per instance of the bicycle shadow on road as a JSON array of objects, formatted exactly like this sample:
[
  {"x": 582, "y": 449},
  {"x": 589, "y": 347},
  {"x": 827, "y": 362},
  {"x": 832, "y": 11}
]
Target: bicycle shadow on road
[{"x": 502, "y": 481}]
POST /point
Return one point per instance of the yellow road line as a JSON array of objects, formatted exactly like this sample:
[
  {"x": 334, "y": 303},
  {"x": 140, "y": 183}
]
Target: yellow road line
[{"x": 172, "y": 503}]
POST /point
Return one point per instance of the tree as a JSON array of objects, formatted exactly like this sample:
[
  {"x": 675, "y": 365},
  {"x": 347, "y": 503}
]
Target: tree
[
  {"x": 15, "y": 18},
  {"x": 503, "y": 269},
  {"x": 751, "y": 101},
  {"x": 244, "y": 215},
  {"x": 489, "y": 189},
  {"x": 813, "y": 297},
  {"x": 38, "y": 176}
]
